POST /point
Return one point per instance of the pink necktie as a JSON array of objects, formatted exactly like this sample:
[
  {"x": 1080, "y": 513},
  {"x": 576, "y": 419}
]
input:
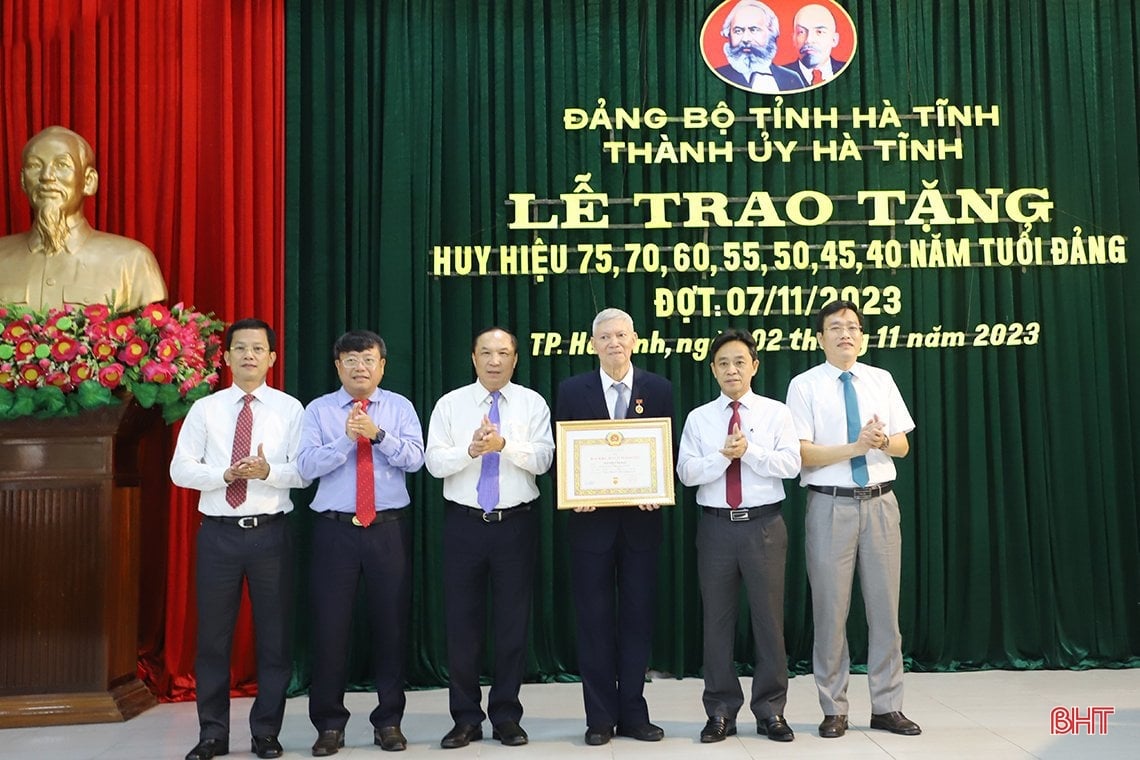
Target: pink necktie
[
  {"x": 733, "y": 493},
  {"x": 243, "y": 434}
]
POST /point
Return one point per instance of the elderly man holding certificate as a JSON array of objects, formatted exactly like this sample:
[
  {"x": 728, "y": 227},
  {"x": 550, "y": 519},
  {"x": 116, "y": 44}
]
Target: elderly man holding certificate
[{"x": 613, "y": 551}]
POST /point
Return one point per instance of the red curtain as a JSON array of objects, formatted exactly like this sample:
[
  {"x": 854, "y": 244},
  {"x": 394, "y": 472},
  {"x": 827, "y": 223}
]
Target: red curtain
[{"x": 183, "y": 103}]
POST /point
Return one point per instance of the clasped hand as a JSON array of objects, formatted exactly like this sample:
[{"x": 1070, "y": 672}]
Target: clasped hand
[
  {"x": 485, "y": 440},
  {"x": 253, "y": 467}
]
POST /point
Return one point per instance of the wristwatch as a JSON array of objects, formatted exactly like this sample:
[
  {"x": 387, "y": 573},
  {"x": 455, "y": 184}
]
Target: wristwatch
[{"x": 379, "y": 437}]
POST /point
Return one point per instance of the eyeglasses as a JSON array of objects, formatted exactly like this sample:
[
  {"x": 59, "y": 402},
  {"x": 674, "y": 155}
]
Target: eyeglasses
[
  {"x": 255, "y": 350},
  {"x": 838, "y": 330},
  {"x": 352, "y": 362}
]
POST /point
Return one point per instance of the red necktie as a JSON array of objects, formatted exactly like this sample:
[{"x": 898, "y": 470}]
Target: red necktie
[
  {"x": 243, "y": 434},
  {"x": 732, "y": 490},
  {"x": 365, "y": 491},
  {"x": 816, "y": 76}
]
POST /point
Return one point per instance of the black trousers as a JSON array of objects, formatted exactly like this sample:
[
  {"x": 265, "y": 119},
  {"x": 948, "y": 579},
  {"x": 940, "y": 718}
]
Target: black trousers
[
  {"x": 478, "y": 556},
  {"x": 753, "y": 552},
  {"x": 342, "y": 553},
  {"x": 263, "y": 557},
  {"x": 614, "y": 592}
]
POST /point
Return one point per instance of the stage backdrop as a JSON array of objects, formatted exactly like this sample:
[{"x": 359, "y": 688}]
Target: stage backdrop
[
  {"x": 970, "y": 177},
  {"x": 182, "y": 103},
  {"x": 412, "y": 126}
]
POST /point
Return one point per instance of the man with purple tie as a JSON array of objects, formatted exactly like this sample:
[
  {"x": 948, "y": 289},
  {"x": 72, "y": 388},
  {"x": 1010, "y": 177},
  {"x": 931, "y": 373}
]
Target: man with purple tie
[{"x": 487, "y": 441}]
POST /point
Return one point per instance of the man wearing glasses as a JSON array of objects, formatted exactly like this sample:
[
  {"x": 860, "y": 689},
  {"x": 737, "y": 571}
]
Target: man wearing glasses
[
  {"x": 852, "y": 422},
  {"x": 360, "y": 441}
]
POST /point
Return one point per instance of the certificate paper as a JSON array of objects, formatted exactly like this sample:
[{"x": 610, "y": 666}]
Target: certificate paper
[{"x": 615, "y": 463}]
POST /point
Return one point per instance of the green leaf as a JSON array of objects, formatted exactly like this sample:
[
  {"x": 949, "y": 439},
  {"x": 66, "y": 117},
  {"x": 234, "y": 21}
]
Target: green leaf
[
  {"x": 91, "y": 394},
  {"x": 145, "y": 393}
]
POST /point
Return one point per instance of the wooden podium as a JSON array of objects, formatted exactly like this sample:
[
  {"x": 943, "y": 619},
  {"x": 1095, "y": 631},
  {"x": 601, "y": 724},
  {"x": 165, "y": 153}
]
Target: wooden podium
[{"x": 69, "y": 566}]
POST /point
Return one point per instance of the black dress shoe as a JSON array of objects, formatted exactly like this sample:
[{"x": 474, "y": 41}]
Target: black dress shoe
[
  {"x": 389, "y": 739},
  {"x": 646, "y": 732},
  {"x": 462, "y": 735},
  {"x": 597, "y": 735},
  {"x": 833, "y": 726},
  {"x": 717, "y": 729},
  {"x": 266, "y": 746},
  {"x": 896, "y": 723},
  {"x": 208, "y": 748},
  {"x": 510, "y": 734},
  {"x": 775, "y": 728},
  {"x": 328, "y": 742}
]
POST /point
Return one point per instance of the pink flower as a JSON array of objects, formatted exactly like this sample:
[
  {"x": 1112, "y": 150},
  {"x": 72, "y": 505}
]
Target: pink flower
[
  {"x": 80, "y": 372},
  {"x": 111, "y": 375},
  {"x": 59, "y": 379},
  {"x": 122, "y": 329},
  {"x": 103, "y": 351},
  {"x": 157, "y": 372},
  {"x": 30, "y": 375},
  {"x": 166, "y": 350}
]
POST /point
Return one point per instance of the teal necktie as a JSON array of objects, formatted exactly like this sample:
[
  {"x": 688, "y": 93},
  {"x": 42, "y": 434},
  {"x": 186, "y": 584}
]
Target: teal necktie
[{"x": 854, "y": 425}]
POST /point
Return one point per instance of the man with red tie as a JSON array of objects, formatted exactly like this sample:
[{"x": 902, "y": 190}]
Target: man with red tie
[
  {"x": 361, "y": 441},
  {"x": 488, "y": 441},
  {"x": 238, "y": 448},
  {"x": 736, "y": 450},
  {"x": 814, "y": 36}
]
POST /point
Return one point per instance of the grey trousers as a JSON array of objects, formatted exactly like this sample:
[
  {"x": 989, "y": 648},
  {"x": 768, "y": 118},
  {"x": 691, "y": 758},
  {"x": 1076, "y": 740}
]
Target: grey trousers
[{"x": 843, "y": 534}]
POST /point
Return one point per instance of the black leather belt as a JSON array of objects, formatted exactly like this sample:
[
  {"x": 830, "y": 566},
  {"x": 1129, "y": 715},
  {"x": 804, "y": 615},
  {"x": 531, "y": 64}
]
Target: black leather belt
[
  {"x": 495, "y": 515},
  {"x": 743, "y": 514},
  {"x": 382, "y": 516},
  {"x": 858, "y": 494},
  {"x": 248, "y": 521}
]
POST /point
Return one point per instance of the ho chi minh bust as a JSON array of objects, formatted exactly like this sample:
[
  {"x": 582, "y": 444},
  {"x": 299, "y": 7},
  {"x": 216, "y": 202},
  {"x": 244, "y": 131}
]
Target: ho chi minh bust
[{"x": 62, "y": 259}]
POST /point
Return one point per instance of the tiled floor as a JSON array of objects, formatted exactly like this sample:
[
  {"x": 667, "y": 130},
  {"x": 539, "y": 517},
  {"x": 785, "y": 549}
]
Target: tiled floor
[{"x": 993, "y": 714}]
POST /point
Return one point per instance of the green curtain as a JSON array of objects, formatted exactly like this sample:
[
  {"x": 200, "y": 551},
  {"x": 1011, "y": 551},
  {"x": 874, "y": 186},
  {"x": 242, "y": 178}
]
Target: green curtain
[{"x": 409, "y": 123}]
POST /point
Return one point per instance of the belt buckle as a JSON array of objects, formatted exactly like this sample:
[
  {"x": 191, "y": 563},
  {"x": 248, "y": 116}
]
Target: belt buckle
[
  {"x": 493, "y": 516},
  {"x": 864, "y": 493},
  {"x": 739, "y": 515},
  {"x": 251, "y": 524}
]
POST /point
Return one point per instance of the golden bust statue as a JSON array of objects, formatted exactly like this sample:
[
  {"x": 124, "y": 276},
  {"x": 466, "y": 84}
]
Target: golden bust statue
[{"x": 62, "y": 259}]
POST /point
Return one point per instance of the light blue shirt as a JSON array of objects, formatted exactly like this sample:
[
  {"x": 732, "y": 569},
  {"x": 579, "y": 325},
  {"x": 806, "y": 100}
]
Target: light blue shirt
[{"x": 329, "y": 454}]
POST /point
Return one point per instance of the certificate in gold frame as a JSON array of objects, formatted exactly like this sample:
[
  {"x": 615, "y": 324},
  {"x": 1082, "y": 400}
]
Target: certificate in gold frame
[{"x": 615, "y": 463}]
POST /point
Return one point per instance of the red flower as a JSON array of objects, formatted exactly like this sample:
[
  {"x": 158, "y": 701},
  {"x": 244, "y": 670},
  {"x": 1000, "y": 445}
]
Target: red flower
[
  {"x": 59, "y": 379},
  {"x": 64, "y": 349},
  {"x": 103, "y": 351},
  {"x": 157, "y": 372},
  {"x": 122, "y": 329},
  {"x": 80, "y": 372},
  {"x": 15, "y": 332},
  {"x": 25, "y": 348},
  {"x": 158, "y": 314},
  {"x": 7, "y": 376},
  {"x": 96, "y": 312},
  {"x": 30, "y": 374},
  {"x": 111, "y": 375},
  {"x": 134, "y": 351},
  {"x": 166, "y": 350}
]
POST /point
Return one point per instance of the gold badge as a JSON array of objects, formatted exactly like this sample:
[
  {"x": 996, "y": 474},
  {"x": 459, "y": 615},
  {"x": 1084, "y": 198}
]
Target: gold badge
[{"x": 639, "y": 408}]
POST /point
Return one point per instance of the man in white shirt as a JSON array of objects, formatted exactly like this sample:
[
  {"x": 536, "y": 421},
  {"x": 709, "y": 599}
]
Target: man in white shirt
[
  {"x": 487, "y": 441},
  {"x": 852, "y": 422},
  {"x": 238, "y": 447},
  {"x": 737, "y": 449}
]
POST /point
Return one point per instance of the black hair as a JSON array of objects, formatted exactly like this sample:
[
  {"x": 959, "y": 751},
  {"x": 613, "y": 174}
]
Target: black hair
[
  {"x": 251, "y": 323},
  {"x": 834, "y": 308},
  {"x": 730, "y": 335},
  {"x": 359, "y": 340},
  {"x": 481, "y": 333}
]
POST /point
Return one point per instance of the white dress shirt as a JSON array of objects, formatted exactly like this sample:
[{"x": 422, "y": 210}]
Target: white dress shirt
[
  {"x": 524, "y": 423},
  {"x": 820, "y": 413},
  {"x": 205, "y": 444},
  {"x": 611, "y": 393},
  {"x": 773, "y": 450}
]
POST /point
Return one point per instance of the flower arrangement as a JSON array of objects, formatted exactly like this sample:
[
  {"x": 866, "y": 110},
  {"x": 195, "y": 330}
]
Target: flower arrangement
[{"x": 58, "y": 362}]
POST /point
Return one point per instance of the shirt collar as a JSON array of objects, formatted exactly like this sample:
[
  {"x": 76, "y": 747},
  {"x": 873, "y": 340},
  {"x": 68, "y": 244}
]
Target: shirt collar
[{"x": 608, "y": 381}]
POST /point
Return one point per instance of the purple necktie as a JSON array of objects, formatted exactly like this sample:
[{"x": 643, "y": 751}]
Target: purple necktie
[{"x": 488, "y": 488}]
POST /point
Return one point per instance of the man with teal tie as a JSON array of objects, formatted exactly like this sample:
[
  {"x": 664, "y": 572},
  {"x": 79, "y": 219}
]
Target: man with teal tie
[{"x": 852, "y": 422}]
